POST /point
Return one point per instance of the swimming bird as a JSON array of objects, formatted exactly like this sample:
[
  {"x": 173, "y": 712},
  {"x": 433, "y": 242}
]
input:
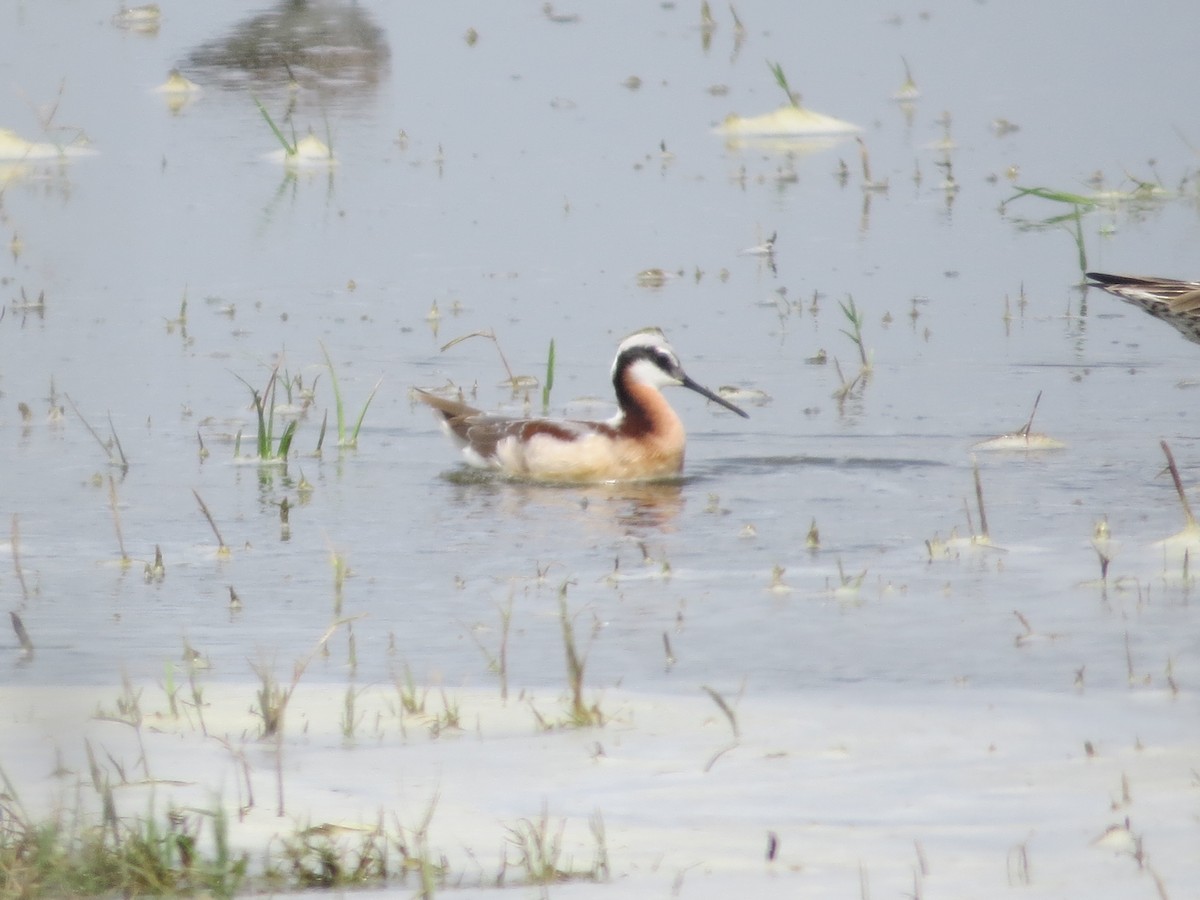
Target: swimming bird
[
  {"x": 1175, "y": 302},
  {"x": 644, "y": 440}
]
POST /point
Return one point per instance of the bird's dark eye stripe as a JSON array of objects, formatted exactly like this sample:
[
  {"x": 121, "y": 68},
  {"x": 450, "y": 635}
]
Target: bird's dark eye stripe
[{"x": 662, "y": 359}]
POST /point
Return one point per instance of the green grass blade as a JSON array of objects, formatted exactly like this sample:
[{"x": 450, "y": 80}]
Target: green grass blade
[
  {"x": 285, "y": 440},
  {"x": 1078, "y": 235},
  {"x": 321, "y": 436},
  {"x": 258, "y": 407},
  {"x": 362, "y": 415},
  {"x": 289, "y": 149},
  {"x": 781, "y": 80},
  {"x": 337, "y": 397},
  {"x": 269, "y": 443},
  {"x": 1056, "y": 196},
  {"x": 549, "y": 385}
]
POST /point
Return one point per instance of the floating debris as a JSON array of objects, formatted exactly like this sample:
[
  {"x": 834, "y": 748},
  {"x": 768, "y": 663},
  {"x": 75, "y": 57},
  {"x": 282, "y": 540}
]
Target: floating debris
[
  {"x": 766, "y": 248},
  {"x": 1020, "y": 440},
  {"x": 141, "y": 19},
  {"x": 653, "y": 278},
  {"x": 908, "y": 91},
  {"x": 310, "y": 152},
  {"x": 1023, "y": 439},
  {"x": 1028, "y": 635},
  {"x": 15, "y": 147},
  {"x": 735, "y": 394},
  {"x": 178, "y": 90},
  {"x": 778, "y": 585},
  {"x": 177, "y": 83},
  {"x": 558, "y": 18},
  {"x": 787, "y": 121}
]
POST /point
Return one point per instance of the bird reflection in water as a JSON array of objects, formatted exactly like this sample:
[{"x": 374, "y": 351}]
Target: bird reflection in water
[
  {"x": 335, "y": 49},
  {"x": 628, "y": 508}
]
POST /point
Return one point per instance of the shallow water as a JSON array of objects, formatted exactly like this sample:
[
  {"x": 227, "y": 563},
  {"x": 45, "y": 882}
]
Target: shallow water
[{"x": 519, "y": 184}]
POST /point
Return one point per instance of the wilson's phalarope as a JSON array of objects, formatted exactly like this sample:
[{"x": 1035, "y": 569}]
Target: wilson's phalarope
[
  {"x": 1175, "y": 302},
  {"x": 645, "y": 440}
]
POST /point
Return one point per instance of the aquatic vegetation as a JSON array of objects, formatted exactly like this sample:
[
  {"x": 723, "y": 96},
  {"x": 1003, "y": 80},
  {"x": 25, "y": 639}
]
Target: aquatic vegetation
[
  {"x": 116, "y": 514},
  {"x": 330, "y": 856},
  {"x": 15, "y": 546},
  {"x": 908, "y": 91},
  {"x": 539, "y": 851},
  {"x": 812, "y": 540},
  {"x": 344, "y": 439},
  {"x": 222, "y": 549},
  {"x": 579, "y": 713},
  {"x": 789, "y": 120},
  {"x": 156, "y": 571},
  {"x": 793, "y": 97},
  {"x": 22, "y": 635},
  {"x": 266, "y": 449},
  {"x": 777, "y": 585},
  {"x": 177, "y": 83},
  {"x": 112, "y": 447},
  {"x": 1079, "y": 205},
  {"x": 306, "y": 153},
  {"x": 67, "y": 856},
  {"x": 310, "y": 152},
  {"x": 725, "y": 708},
  {"x": 1023, "y": 438},
  {"x": 869, "y": 184},
  {"x": 498, "y": 662},
  {"x": 549, "y": 383},
  {"x": 951, "y": 547},
  {"x": 289, "y": 147},
  {"x": 1186, "y": 541},
  {"x": 15, "y": 148},
  {"x": 848, "y": 586},
  {"x": 1028, "y": 635},
  {"x": 855, "y": 318},
  {"x": 1143, "y": 195},
  {"x": 516, "y": 382}
]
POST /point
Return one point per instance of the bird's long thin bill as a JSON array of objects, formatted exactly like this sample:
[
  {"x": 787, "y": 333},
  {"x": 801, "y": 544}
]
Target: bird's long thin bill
[{"x": 715, "y": 398}]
